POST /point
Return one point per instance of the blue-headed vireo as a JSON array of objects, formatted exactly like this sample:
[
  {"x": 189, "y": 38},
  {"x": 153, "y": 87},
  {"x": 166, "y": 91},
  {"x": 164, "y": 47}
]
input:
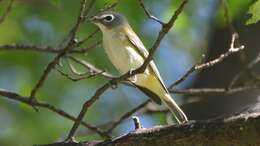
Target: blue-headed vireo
[{"x": 126, "y": 52}]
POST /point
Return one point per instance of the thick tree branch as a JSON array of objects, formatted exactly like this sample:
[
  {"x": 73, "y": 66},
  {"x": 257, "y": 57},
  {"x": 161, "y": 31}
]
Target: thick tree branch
[{"x": 240, "y": 129}]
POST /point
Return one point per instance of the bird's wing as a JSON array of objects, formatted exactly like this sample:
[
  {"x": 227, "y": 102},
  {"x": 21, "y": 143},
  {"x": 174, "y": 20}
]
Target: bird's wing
[{"x": 138, "y": 45}]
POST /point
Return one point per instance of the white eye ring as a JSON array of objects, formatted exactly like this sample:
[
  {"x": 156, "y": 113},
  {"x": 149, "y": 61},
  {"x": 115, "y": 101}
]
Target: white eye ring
[{"x": 108, "y": 18}]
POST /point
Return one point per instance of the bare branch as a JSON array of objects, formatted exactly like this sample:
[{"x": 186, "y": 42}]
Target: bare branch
[
  {"x": 70, "y": 45},
  {"x": 214, "y": 91},
  {"x": 165, "y": 29},
  {"x": 84, "y": 10},
  {"x": 137, "y": 123},
  {"x": 78, "y": 78},
  {"x": 222, "y": 56},
  {"x": 85, "y": 107},
  {"x": 149, "y": 15},
  {"x": 84, "y": 50},
  {"x": 45, "y": 49},
  {"x": 211, "y": 63},
  {"x": 11, "y": 47},
  {"x": 183, "y": 77},
  {"x": 92, "y": 68},
  {"x": 74, "y": 70},
  {"x": 26, "y": 100},
  {"x": 90, "y": 36}
]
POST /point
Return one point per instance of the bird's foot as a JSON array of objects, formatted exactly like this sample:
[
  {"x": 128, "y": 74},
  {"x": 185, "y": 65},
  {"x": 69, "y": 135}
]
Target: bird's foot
[
  {"x": 132, "y": 77},
  {"x": 113, "y": 84},
  {"x": 71, "y": 140}
]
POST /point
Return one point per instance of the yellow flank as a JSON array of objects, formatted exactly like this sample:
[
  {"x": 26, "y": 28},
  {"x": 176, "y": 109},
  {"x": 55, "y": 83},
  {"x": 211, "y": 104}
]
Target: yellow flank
[{"x": 150, "y": 82}]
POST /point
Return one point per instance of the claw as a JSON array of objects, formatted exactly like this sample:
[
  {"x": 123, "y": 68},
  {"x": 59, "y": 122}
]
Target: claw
[
  {"x": 133, "y": 77},
  {"x": 113, "y": 85}
]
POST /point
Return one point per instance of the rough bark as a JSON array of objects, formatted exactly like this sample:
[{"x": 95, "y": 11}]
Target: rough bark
[{"x": 242, "y": 128}]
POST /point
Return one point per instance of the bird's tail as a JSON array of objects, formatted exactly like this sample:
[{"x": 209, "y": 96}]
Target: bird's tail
[{"x": 178, "y": 114}]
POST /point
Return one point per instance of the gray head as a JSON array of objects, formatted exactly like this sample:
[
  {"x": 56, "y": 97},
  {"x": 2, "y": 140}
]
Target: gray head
[{"x": 109, "y": 19}]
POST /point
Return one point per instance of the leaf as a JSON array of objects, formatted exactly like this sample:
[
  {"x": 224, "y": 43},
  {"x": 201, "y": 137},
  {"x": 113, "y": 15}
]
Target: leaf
[
  {"x": 235, "y": 11},
  {"x": 55, "y": 3},
  {"x": 254, "y": 10}
]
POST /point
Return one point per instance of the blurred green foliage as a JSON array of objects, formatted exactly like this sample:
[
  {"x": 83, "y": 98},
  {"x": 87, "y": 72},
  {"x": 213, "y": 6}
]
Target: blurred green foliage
[
  {"x": 47, "y": 22},
  {"x": 254, "y": 10},
  {"x": 236, "y": 9}
]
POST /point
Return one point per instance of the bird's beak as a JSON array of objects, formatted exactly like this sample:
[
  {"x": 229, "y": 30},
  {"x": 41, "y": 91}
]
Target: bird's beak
[{"x": 94, "y": 19}]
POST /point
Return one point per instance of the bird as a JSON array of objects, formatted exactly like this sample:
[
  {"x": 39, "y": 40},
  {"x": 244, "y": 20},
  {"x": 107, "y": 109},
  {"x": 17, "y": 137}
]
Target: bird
[{"x": 126, "y": 52}]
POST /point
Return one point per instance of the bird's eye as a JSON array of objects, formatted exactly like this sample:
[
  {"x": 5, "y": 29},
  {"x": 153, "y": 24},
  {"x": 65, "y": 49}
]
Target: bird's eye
[{"x": 109, "y": 18}]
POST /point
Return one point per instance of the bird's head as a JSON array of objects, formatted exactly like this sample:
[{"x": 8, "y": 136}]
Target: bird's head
[{"x": 107, "y": 20}]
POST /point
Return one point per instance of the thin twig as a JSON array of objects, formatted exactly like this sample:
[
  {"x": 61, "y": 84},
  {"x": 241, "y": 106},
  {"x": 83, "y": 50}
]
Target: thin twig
[
  {"x": 91, "y": 67},
  {"x": 109, "y": 6},
  {"x": 74, "y": 70},
  {"x": 213, "y": 91},
  {"x": 137, "y": 123},
  {"x": 88, "y": 37},
  {"x": 78, "y": 78},
  {"x": 222, "y": 56},
  {"x": 149, "y": 15},
  {"x": 94, "y": 70},
  {"x": 183, "y": 77},
  {"x": 7, "y": 11},
  {"x": 246, "y": 69},
  {"x": 165, "y": 29},
  {"x": 84, "y": 10},
  {"x": 232, "y": 29},
  {"x": 84, "y": 50},
  {"x": 45, "y": 49}
]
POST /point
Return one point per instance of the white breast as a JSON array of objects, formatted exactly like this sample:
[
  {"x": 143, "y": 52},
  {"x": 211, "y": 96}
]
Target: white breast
[{"x": 120, "y": 52}]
